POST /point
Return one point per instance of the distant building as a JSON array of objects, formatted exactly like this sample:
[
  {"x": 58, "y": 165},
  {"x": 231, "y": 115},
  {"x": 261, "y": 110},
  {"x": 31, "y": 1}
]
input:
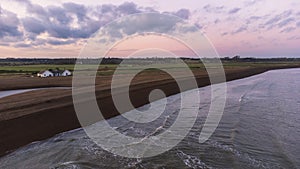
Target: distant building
[
  {"x": 66, "y": 73},
  {"x": 56, "y": 72},
  {"x": 45, "y": 73}
]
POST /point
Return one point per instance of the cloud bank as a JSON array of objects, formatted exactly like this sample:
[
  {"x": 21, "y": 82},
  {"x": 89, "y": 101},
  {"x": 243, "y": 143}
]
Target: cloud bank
[{"x": 68, "y": 23}]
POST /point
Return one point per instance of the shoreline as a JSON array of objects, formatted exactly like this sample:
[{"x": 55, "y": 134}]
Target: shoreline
[{"x": 38, "y": 122}]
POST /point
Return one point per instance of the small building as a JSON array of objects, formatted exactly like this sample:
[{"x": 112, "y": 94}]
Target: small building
[
  {"x": 66, "y": 73},
  {"x": 56, "y": 72},
  {"x": 45, "y": 73}
]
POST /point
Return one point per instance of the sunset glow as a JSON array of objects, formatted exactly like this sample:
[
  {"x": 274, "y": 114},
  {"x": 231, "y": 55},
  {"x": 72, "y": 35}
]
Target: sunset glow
[{"x": 60, "y": 28}]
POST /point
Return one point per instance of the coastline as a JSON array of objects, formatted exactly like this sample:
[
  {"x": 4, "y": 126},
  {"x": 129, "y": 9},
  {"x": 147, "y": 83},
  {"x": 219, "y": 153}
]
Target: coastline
[{"x": 41, "y": 121}]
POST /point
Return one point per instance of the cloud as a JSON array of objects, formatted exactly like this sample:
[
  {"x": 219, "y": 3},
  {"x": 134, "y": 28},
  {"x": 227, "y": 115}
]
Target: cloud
[
  {"x": 9, "y": 23},
  {"x": 75, "y": 21},
  {"x": 69, "y": 21},
  {"x": 22, "y": 45},
  {"x": 287, "y": 30},
  {"x": 128, "y": 8},
  {"x": 26, "y": 2},
  {"x": 276, "y": 19},
  {"x": 60, "y": 42},
  {"x": 213, "y": 9},
  {"x": 199, "y": 26},
  {"x": 234, "y": 10},
  {"x": 79, "y": 10},
  {"x": 294, "y": 38},
  {"x": 59, "y": 15},
  {"x": 33, "y": 25},
  {"x": 224, "y": 33},
  {"x": 285, "y": 22},
  {"x": 38, "y": 10},
  {"x": 255, "y": 19},
  {"x": 252, "y": 2},
  {"x": 239, "y": 30},
  {"x": 4, "y": 44},
  {"x": 32, "y": 8},
  {"x": 151, "y": 22},
  {"x": 183, "y": 13},
  {"x": 217, "y": 21},
  {"x": 154, "y": 22}
]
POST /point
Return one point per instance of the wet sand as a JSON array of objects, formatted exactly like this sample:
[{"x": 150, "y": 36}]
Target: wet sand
[{"x": 40, "y": 114}]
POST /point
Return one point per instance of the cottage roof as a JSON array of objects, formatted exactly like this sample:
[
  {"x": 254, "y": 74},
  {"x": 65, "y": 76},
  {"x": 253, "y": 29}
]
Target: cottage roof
[
  {"x": 42, "y": 71},
  {"x": 57, "y": 71},
  {"x": 54, "y": 71}
]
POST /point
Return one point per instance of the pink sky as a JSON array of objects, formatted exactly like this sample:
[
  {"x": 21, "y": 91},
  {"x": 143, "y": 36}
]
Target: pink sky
[
  {"x": 149, "y": 43},
  {"x": 60, "y": 28}
]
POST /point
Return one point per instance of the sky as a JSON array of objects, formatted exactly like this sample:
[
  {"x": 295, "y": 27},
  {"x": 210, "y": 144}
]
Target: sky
[{"x": 61, "y": 28}]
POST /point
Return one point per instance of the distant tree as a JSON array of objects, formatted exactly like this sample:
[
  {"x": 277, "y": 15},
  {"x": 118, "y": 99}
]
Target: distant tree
[{"x": 236, "y": 57}]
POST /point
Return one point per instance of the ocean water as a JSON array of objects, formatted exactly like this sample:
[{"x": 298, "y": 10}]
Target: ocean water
[
  {"x": 19, "y": 91},
  {"x": 260, "y": 128}
]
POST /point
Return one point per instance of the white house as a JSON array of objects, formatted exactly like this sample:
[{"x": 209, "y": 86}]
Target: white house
[
  {"x": 66, "y": 73},
  {"x": 45, "y": 73},
  {"x": 56, "y": 72}
]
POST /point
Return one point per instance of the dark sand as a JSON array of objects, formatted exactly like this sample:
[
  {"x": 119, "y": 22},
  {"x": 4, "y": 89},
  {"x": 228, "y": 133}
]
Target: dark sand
[{"x": 38, "y": 115}]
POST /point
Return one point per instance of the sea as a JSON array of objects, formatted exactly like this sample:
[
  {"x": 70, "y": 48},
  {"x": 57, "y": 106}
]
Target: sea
[{"x": 260, "y": 128}]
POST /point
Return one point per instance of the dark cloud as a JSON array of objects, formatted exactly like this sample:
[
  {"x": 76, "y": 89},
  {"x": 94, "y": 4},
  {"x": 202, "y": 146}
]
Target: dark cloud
[
  {"x": 37, "y": 9},
  {"x": 33, "y": 25},
  {"x": 285, "y": 22},
  {"x": 22, "y": 45},
  {"x": 59, "y": 15},
  {"x": 213, "y": 9},
  {"x": 240, "y": 29},
  {"x": 151, "y": 22},
  {"x": 217, "y": 21},
  {"x": 287, "y": 30},
  {"x": 278, "y": 17},
  {"x": 298, "y": 24},
  {"x": 224, "y": 33},
  {"x": 59, "y": 21},
  {"x": 9, "y": 23},
  {"x": 75, "y": 21},
  {"x": 271, "y": 23},
  {"x": 252, "y": 2},
  {"x": 79, "y": 10},
  {"x": 254, "y": 19},
  {"x": 199, "y": 26},
  {"x": 234, "y": 10},
  {"x": 107, "y": 8},
  {"x": 183, "y": 13},
  {"x": 60, "y": 42},
  {"x": 128, "y": 8}
]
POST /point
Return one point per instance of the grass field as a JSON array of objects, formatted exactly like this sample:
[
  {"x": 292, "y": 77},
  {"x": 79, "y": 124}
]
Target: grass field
[{"x": 108, "y": 69}]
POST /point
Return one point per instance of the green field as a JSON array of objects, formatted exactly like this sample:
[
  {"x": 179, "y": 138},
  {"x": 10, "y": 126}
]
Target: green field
[
  {"x": 32, "y": 69},
  {"x": 108, "y": 69}
]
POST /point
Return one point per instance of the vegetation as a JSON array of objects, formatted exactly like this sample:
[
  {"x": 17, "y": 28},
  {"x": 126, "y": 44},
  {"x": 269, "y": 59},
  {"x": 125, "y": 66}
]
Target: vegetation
[{"x": 108, "y": 65}]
